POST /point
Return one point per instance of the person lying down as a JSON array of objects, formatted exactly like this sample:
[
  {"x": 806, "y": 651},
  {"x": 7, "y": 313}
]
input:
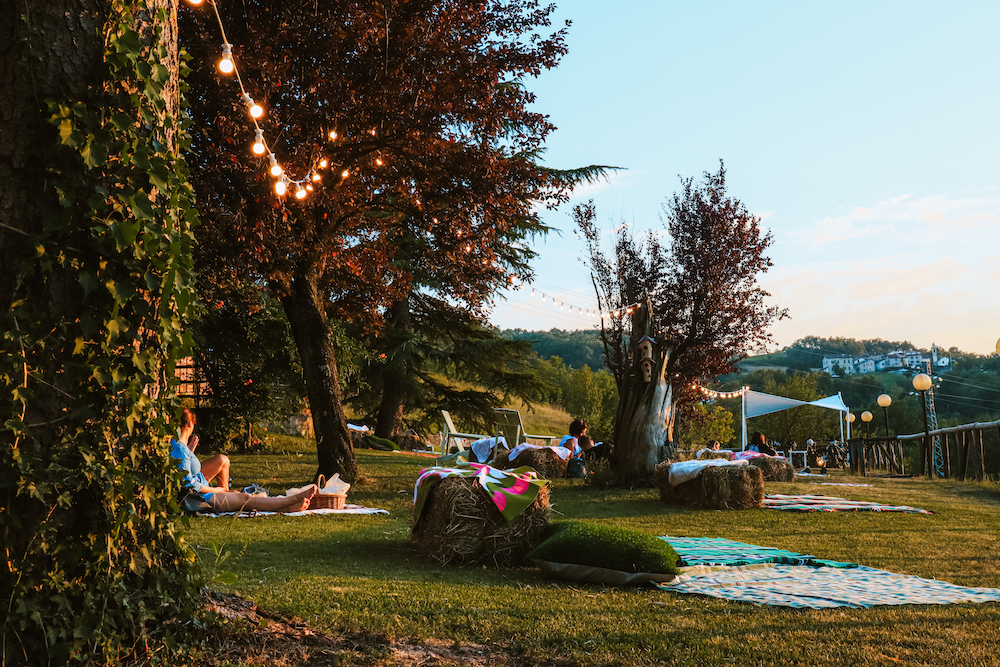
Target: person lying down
[{"x": 221, "y": 498}]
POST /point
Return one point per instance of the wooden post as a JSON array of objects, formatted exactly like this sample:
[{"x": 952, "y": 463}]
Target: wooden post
[
  {"x": 923, "y": 456},
  {"x": 947, "y": 457},
  {"x": 982, "y": 459},
  {"x": 964, "y": 454}
]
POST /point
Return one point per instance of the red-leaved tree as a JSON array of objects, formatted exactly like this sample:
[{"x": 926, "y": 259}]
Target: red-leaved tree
[
  {"x": 419, "y": 115},
  {"x": 695, "y": 294}
]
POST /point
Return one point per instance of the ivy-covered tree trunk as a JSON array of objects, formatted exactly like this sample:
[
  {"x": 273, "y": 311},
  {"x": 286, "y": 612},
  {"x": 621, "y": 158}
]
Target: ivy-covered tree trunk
[
  {"x": 395, "y": 374},
  {"x": 646, "y": 408},
  {"x": 95, "y": 241},
  {"x": 307, "y": 317}
]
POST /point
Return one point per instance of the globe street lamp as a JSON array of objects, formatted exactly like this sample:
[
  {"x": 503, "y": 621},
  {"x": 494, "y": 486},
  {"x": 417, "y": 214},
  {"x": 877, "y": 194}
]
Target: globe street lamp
[
  {"x": 884, "y": 401},
  {"x": 867, "y": 418},
  {"x": 922, "y": 382}
]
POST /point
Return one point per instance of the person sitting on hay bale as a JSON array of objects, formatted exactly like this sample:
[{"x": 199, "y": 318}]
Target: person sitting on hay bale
[
  {"x": 715, "y": 484},
  {"x": 759, "y": 444},
  {"x": 478, "y": 515}
]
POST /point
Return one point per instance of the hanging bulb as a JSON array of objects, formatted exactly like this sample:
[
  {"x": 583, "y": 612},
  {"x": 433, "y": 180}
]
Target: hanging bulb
[
  {"x": 276, "y": 169},
  {"x": 372, "y": 131},
  {"x": 195, "y": 2},
  {"x": 323, "y": 163},
  {"x": 300, "y": 192},
  {"x": 280, "y": 187},
  {"x": 256, "y": 110},
  {"x": 333, "y": 135},
  {"x": 309, "y": 187},
  {"x": 315, "y": 176},
  {"x": 226, "y": 65},
  {"x": 258, "y": 144},
  {"x": 345, "y": 173},
  {"x": 378, "y": 161},
  {"x": 468, "y": 248}
]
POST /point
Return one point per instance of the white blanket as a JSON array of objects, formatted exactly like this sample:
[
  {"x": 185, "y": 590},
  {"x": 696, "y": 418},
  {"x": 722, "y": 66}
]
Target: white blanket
[
  {"x": 561, "y": 452},
  {"x": 683, "y": 471}
]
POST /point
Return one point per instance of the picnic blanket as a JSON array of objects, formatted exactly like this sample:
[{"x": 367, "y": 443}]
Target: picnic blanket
[
  {"x": 562, "y": 452},
  {"x": 348, "y": 509},
  {"x": 710, "y": 551},
  {"x": 512, "y": 491},
  {"x": 831, "y": 504},
  {"x": 767, "y": 576},
  {"x": 683, "y": 471}
]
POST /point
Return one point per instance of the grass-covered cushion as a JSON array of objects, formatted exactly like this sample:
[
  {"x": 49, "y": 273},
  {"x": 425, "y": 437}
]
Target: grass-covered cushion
[{"x": 606, "y": 549}]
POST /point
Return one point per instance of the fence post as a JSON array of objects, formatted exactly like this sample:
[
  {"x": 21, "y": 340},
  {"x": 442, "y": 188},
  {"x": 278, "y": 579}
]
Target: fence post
[
  {"x": 982, "y": 458},
  {"x": 964, "y": 455},
  {"x": 947, "y": 457}
]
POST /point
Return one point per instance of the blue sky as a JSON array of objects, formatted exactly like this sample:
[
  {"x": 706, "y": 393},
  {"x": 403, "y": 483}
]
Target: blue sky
[{"x": 864, "y": 134}]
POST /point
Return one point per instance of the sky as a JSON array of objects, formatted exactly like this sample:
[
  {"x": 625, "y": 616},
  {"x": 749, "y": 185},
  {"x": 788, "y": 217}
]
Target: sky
[{"x": 865, "y": 135}]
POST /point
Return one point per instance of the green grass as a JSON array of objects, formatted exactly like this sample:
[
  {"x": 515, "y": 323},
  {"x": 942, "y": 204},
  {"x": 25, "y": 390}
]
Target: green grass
[{"x": 359, "y": 574}]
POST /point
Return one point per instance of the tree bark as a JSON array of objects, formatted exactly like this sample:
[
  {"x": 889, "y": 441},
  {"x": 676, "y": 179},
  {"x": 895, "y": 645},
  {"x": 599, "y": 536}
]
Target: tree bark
[
  {"x": 310, "y": 328},
  {"x": 394, "y": 375},
  {"x": 646, "y": 410}
]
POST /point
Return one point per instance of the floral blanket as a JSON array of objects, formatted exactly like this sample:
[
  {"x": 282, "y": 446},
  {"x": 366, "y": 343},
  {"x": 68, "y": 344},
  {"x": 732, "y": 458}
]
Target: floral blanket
[{"x": 512, "y": 491}]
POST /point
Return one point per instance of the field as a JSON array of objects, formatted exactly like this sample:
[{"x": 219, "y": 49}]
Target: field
[{"x": 358, "y": 576}]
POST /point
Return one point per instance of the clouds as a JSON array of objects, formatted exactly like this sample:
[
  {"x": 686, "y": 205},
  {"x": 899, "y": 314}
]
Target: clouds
[{"x": 918, "y": 268}]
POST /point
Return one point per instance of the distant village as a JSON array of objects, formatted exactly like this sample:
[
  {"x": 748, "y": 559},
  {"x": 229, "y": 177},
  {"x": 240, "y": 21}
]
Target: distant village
[{"x": 901, "y": 361}]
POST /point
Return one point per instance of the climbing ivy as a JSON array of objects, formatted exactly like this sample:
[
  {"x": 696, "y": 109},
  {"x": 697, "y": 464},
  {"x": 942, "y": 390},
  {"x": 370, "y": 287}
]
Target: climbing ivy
[{"x": 96, "y": 570}]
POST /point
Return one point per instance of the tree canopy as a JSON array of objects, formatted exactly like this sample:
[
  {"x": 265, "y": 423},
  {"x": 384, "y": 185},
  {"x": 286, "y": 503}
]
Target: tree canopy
[{"x": 419, "y": 113}]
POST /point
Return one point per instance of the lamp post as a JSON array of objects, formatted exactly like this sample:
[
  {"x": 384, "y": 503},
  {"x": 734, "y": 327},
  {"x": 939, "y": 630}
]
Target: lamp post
[
  {"x": 922, "y": 382},
  {"x": 867, "y": 418},
  {"x": 884, "y": 401}
]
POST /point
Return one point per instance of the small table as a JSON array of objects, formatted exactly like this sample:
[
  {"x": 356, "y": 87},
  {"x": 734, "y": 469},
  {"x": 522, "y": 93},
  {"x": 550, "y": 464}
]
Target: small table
[{"x": 791, "y": 458}]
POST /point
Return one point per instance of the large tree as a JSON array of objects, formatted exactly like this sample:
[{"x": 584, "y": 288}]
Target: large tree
[
  {"x": 694, "y": 293},
  {"x": 95, "y": 218},
  {"x": 418, "y": 111}
]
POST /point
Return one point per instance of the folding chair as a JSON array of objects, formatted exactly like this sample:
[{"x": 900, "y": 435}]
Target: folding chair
[
  {"x": 508, "y": 424},
  {"x": 450, "y": 432}
]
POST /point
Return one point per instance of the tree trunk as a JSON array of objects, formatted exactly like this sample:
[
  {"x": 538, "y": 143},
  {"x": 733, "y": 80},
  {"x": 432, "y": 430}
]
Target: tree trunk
[
  {"x": 311, "y": 331},
  {"x": 394, "y": 375},
  {"x": 646, "y": 411}
]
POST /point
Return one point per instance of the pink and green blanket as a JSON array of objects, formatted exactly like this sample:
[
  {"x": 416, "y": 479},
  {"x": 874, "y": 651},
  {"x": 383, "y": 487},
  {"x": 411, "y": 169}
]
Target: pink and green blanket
[
  {"x": 831, "y": 504},
  {"x": 512, "y": 491}
]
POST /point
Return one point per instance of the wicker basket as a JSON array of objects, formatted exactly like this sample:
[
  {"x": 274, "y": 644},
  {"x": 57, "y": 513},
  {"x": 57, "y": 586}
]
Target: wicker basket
[{"x": 327, "y": 501}]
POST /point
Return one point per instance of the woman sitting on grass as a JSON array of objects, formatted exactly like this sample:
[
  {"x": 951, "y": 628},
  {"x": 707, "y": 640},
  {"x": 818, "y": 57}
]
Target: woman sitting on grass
[{"x": 220, "y": 497}]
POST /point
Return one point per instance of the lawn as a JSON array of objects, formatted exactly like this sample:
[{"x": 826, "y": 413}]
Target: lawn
[{"x": 358, "y": 574}]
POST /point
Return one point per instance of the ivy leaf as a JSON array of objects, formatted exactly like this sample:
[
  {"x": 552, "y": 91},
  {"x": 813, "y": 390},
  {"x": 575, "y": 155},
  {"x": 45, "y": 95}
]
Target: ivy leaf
[
  {"x": 125, "y": 232},
  {"x": 142, "y": 207}
]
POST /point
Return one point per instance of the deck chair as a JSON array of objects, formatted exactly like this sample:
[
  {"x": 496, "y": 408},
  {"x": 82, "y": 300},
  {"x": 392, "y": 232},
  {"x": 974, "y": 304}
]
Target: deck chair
[
  {"x": 449, "y": 431},
  {"x": 508, "y": 424}
]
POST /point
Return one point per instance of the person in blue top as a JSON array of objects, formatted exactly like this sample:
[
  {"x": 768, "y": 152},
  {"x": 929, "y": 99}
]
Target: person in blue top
[{"x": 221, "y": 498}]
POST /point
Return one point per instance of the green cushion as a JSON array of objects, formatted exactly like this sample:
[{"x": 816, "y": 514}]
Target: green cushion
[{"x": 606, "y": 547}]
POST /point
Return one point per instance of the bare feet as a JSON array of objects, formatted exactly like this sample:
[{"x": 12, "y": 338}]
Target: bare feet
[{"x": 300, "y": 501}]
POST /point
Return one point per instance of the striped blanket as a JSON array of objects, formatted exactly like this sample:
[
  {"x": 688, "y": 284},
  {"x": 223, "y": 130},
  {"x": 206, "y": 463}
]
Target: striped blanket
[
  {"x": 766, "y": 576},
  {"x": 831, "y": 504}
]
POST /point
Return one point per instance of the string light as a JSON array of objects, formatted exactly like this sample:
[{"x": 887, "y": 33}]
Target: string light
[
  {"x": 256, "y": 110},
  {"x": 316, "y": 177},
  {"x": 300, "y": 192},
  {"x": 276, "y": 169},
  {"x": 280, "y": 187},
  {"x": 333, "y": 135},
  {"x": 226, "y": 65},
  {"x": 345, "y": 173},
  {"x": 718, "y": 394},
  {"x": 258, "y": 144},
  {"x": 323, "y": 163}
]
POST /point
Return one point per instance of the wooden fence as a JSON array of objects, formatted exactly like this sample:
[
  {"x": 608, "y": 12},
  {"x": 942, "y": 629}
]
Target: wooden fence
[
  {"x": 964, "y": 440},
  {"x": 881, "y": 454}
]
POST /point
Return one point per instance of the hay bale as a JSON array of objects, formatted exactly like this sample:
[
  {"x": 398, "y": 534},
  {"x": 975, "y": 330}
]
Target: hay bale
[
  {"x": 546, "y": 462},
  {"x": 501, "y": 459},
  {"x": 711, "y": 454},
  {"x": 774, "y": 470},
  {"x": 716, "y": 487},
  {"x": 461, "y": 525}
]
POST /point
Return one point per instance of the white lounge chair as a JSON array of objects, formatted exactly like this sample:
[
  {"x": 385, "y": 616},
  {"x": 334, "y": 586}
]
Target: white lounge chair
[
  {"x": 449, "y": 432},
  {"x": 509, "y": 425}
]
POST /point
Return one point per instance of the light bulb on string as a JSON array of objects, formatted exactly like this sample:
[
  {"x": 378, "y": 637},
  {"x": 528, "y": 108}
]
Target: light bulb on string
[
  {"x": 195, "y": 2},
  {"x": 345, "y": 173},
  {"x": 300, "y": 192},
  {"x": 378, "y": 162},
  {"x": 256, "y": 110},
  {"x": 333, "y": 135},
  {"x": 280, "y": 187},
  {"x": 323, "y": 163},
  {"x": 316, "y": 177},
  {"x": 258, "y": 144},
  {"x": 309, "y": 187},
  {"x": 226, "y": 65},
  {"x": 276, "y": 169}
]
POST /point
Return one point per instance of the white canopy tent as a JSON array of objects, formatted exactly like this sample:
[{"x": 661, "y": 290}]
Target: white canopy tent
[{"x": 756, "y": 403}]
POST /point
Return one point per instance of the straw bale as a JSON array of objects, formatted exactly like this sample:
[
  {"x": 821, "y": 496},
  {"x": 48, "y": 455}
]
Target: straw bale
[
  {"x": 546, "y": 462},
  {"x": 714, "y": 455},
  {"x": 501, "y": 459},
  {"x": 461, "y": 525},
  {"x": 774, "y": 470},
  {"x": 716, "y": 487}
]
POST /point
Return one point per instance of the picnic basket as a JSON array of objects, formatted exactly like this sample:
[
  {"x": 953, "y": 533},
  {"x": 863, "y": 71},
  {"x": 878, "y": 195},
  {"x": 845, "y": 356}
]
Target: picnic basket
[{"x": 327, "y": 501}]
